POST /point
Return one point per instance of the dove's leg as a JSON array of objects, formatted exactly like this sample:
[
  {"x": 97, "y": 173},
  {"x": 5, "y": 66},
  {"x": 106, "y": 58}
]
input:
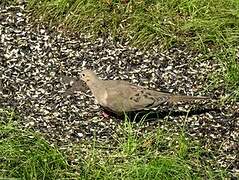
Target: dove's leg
[
  {"x": 105, "y": 114},
  {"x": 108, "y": 113}
]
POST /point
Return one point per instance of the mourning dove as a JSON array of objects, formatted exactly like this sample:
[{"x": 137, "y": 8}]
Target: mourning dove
[{"x": 120, "y": 96}]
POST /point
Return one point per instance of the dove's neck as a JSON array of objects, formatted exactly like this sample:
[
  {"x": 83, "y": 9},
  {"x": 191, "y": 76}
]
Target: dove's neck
[{"x": 95, "y": 85}]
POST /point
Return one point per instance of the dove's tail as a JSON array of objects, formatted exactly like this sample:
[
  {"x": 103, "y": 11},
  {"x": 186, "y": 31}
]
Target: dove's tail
[{"x": 176, "y": 98}]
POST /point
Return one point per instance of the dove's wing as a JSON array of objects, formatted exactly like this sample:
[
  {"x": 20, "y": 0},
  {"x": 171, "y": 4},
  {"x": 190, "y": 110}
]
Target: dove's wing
[{"x": 124, "y": 97}]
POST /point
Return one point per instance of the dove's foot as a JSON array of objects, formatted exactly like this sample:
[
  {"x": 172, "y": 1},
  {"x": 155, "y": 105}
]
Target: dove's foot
[{"x": 105, "y": 115}]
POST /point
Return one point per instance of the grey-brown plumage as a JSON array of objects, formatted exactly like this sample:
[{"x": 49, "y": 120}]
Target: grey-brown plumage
[{"x": 121, "y": 96}]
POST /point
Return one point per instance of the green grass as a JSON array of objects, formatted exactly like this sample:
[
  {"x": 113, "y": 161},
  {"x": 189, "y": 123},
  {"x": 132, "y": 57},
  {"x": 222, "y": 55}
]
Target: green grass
[
  {"x": 227, "y": 77},
  {"x": 196, "y": 23},
  {"x": 156, "y": 155},
  {"x": 26, "y": 155}
]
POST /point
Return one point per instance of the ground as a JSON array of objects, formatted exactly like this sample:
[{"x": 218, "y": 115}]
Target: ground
[{"x": 37, "y": 64}]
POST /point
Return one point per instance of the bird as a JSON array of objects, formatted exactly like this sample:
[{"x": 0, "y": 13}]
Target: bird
[{"x": 121, "y": 96}]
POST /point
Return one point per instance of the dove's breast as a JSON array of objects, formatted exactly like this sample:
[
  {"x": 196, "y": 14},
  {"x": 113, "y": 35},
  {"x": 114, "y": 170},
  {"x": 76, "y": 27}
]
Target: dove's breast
[
  {"x": 99, "y": 92},
  {"x": 102, "y": 99}
]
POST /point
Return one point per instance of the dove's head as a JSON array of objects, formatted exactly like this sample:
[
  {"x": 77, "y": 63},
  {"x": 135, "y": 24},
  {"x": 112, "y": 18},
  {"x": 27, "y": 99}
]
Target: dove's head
[{"x": 88, "y": 76}]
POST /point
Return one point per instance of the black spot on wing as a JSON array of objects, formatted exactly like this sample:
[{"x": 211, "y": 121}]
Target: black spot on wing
[
  {"x": 147, "y": 95},
  {"x": 136, "y": 99}
]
